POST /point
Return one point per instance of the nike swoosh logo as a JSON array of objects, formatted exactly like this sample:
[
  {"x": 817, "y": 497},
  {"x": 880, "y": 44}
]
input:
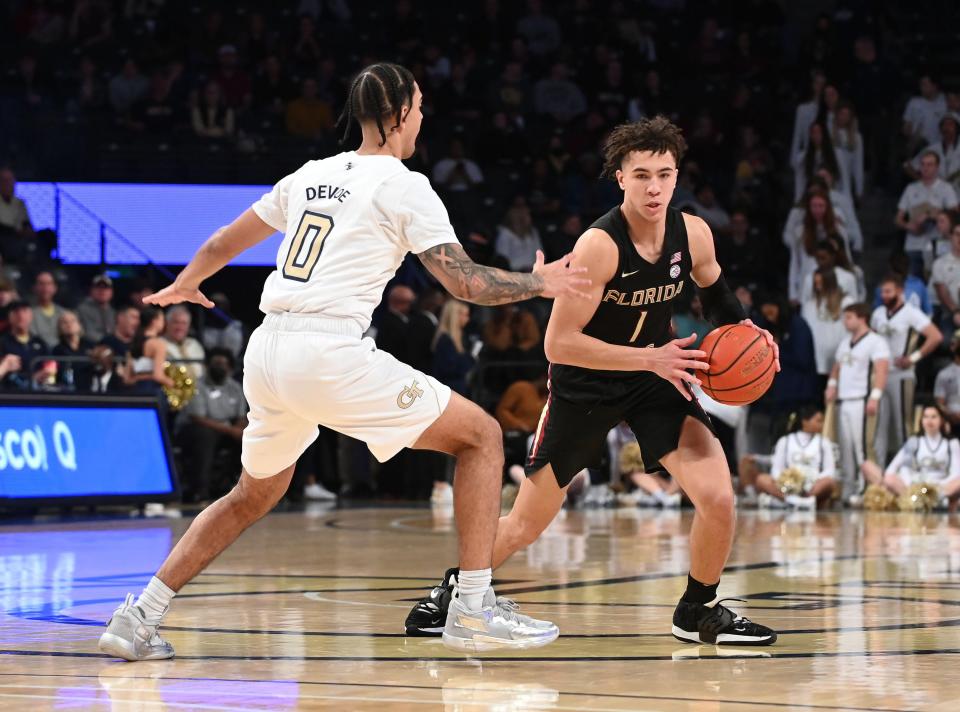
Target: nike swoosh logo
[{"x": 628, "y": 274}]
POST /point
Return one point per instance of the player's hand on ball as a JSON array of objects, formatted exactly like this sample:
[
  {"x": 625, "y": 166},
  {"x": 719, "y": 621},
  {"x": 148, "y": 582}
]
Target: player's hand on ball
[
  {"x": 561, "y": 277},
  {"x": 672, "y": 360},
  {"x": 176, "y": 294},
  {"x": 770, "y": 342}
]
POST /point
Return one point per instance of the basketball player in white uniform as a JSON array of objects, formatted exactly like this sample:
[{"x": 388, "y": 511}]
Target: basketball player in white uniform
[
  {"x": 804, "y": 449},
  {"x": 929, "y": 457},
  {"x": 902, "y": 325},
  {"x": 348, "y": 221},
  {"x": 856, "y": 383}
]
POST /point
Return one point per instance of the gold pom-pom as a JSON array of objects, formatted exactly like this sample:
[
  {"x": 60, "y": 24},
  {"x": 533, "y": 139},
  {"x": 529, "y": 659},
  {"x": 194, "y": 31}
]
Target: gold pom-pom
[
  {"x": 919, "y": 497},
  {"x": 630, "y": 459},
  {"x": 878, "y": 498},
  {"x": 791, "y": 481}
]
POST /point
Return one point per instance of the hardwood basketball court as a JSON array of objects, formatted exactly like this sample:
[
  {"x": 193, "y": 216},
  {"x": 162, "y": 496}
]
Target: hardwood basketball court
[{"x": 306, "y": 612}]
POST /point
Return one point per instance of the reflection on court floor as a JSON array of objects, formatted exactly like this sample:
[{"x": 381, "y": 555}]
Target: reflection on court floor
[{"x": 306, "y": 612}]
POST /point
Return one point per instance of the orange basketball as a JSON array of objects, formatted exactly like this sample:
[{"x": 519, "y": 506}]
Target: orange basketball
[{"x": 741, "y": 365}]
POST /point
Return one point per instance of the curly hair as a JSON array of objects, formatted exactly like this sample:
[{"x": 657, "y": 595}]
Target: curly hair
[{"x": 657, "y": 135}]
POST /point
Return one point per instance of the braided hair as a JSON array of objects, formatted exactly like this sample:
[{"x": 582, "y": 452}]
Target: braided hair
[{"x": 378, "y": 91}]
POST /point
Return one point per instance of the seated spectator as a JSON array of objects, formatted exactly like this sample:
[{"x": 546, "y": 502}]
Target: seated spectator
[
  {"x": 144, "y": 370},
  {"x": 222, "y": 331},
  {"x": 422, "y": 329},
  {"x": 819, "y": 223},
  {"x": 931, "y": 457},
  {"x": 309, "y": 116},
  {"x": 394, "y": 321},
  {"x": 921, "y": 117},
  {"x": 128, "y": 319},
  {"x": 180, "y": 345},
  {"x": 141, "y": 289},
  {"x": 106, "y": 375},
  {"x": 453, "y": 361},
  {"x": 71, "y": 342},
  {"x": 689, "y": 319},
  {"x": 706, "y": 206},
  {"x": 455, "y": 172},
  {"x": 848, "y": 142},
  {"x": 15, "y": 228},
  {"x": 511, "y": 331},
  {"x": 917, "y": 211},
  {"x": 947, "y": 149},
  {"x": 127, "y": 88},
  {"x": 8, "y": 295},
  {"x": 213, "y": 420},
  {"x": 20, "y": 343},
  {"x": 803, "y": 450},
  {"x": 946, "y": 219},
  {"x": 233, "y": 81},
  {"x": 558, "y": 97},
  {"x": 561, "y": 242},
  {"x": 653, "y": 489},
  {"x": 742, "y": 253},
  {"x": 96, "y": 314},
  {"x": 827, "y": 256},
  {"x": 915, "y": 290},
  {"x": 158, "y": 114},
  {"x": 46, "y": 312},
  {"x": 819, "y": 154},
  {"x": 211, "y": 118},
  {"x": 843, "y": 211},
  {"x": 517, "y": 239},
  {"x": 823, "y": 312},
  {"x": 946, "y": 386},
  {"x": 518, "y": 413},
  {"x": 541, "y": 31},
  {"x": 945, "y": 279}
]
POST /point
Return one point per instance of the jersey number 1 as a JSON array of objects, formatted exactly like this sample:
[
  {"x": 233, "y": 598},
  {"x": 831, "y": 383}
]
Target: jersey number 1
[
  {"x": 636, "y": 332},
  {"x": 307, "y": 245}
]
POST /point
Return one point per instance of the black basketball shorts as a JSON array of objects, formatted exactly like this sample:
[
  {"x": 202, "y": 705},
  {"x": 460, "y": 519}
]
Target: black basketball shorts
[{"x": 572, "y": 434}]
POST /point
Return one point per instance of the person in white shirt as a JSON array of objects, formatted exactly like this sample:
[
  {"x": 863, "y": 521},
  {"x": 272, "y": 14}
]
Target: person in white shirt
[
  {"x": 902, "y": 325},
  {"x": 848, "y": 142},
  {"x": 805, "y": 449},
  {"x": 518, "y": 240},
  {"x": 922, "y": 113},
  {"x": 843, "y": 211},
  {"x": 818, "y": 154},
  {"x": 856, "y": 384},
  {"x": 917, "y": 211},
  {"x": 819, "y": 223},
  {"x": 806, "y": 113},
  {"x": 828, "y": 256},
  {"x": 822, "y": 311},
  {"x": 947, "y": 149},
  {"x": 945, "y": 279},
  {"x": 180, "y": 345},
  {"x": 349, "y": 221},
  {"x": 930, "y": 457},
  {"x": 946, "y": 387}
]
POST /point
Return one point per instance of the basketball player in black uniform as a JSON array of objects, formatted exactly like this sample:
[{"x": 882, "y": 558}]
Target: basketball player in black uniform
[{"x": 613, "y": 359}]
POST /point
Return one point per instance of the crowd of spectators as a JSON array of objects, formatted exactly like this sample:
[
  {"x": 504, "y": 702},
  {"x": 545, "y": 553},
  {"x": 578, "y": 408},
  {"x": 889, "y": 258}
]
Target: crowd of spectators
[{"x": 803, "y": 132}]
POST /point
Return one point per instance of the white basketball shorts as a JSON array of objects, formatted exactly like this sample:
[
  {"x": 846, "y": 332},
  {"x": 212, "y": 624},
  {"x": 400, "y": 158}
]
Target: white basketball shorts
[{"x": 301, "y": 371}]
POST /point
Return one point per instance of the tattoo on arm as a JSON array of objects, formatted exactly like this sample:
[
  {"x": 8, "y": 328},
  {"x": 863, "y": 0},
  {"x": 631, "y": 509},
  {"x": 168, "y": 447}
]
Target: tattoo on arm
[{"x": 475, "y": 283}]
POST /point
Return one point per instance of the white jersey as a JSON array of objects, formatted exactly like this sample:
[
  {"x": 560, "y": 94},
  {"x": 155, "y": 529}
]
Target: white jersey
[
  {"x": 923, "y": 459},
  {"x": 947, "y": 387},
  {"x": 901, "y": 328},
  {"x": 349, "y": 221},
  {"x": 808, "y": 452},
  {"x": 856, "y": 361}
]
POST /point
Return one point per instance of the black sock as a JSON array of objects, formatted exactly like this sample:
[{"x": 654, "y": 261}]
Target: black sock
[{"x": 699, "y": 592}]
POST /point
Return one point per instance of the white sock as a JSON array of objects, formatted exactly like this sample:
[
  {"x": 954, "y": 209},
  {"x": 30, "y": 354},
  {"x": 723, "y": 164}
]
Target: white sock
[
  {"x": 472, "y": 586},
  {"x": 154, "y": 600}
]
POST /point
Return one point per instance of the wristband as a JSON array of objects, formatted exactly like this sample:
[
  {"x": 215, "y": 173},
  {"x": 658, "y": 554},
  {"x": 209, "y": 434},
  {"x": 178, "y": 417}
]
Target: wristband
[
  {"x": 832, "y": 383},
  {"x": 876, "y": 394},
  {"x": 915, "y": 356}
]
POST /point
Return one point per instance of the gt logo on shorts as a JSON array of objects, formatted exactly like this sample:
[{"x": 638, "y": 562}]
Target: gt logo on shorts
[{"x": 408, "y": 395}]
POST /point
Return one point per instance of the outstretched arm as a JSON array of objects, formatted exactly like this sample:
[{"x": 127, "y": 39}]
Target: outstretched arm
[
  {"x": 215, "y": 254},
  {"x": 479, "y": 284}
]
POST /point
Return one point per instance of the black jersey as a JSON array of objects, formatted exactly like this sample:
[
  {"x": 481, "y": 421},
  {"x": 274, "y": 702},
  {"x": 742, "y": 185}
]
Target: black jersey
[{"x": 637, "y": 303}]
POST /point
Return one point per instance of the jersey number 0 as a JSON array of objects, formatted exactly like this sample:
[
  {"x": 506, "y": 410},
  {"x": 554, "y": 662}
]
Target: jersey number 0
[{"x": 307, "y": 245}]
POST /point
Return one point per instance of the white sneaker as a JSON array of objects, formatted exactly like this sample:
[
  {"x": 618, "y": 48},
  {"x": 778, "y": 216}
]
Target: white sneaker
[
  {"x": 671, "y": 501},
  {"x": 802, "y": 503},
  {"x": 130, "y": 637},
  {"x": 318, "y": 492},
  {"x": 768, "y": 501},
  {"x": 442, "y": 496},
  {"x": 496, "y": 625},
  {"x": 599, "y": 496}
]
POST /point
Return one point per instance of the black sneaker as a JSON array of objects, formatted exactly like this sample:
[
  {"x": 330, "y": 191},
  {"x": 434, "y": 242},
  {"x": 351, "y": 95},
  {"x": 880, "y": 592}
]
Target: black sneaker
[
  {"x": 714, "y": 624},
  {"x": 429, "y": 616}
]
